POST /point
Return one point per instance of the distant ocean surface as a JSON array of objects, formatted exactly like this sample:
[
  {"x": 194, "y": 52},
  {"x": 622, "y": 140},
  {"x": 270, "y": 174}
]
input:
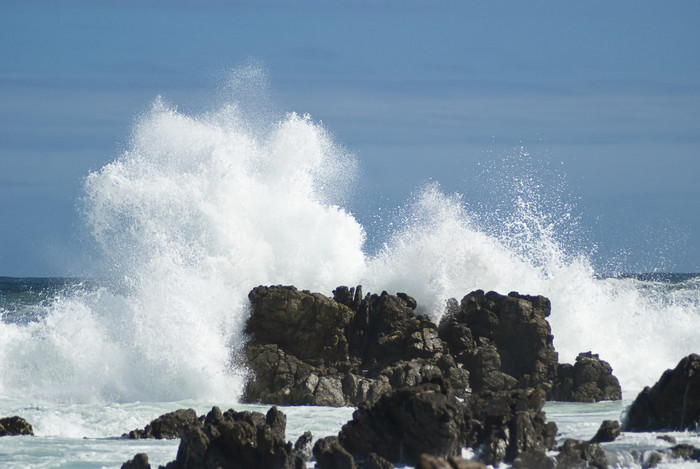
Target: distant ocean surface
[{"x": 200, "y": 209}]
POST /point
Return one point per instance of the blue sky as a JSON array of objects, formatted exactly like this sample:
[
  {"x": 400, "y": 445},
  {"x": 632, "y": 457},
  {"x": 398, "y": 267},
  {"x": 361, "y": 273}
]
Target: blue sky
[{"x": 417, "y": 91}]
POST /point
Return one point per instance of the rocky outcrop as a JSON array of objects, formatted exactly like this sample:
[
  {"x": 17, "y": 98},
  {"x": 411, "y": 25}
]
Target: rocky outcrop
[
  {"x": 235, "y": 440},
  {"x": 168, "y": 426},
  {"x": 13, "y": 426},
  {"x": 590, "y": 379},
  {"x": 307, "y": 349},
  {"x": 140, "y": 461},
  {"x": 504, "y": 342},
  {"x": 673, "y": 403},
  {"x": 429, "y": 419},
  {"x": 575, "y": 454},
  {"x": 609, "y": 430}
]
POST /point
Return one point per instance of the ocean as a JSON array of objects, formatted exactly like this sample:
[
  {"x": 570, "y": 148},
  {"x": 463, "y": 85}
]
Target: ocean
[{"x": 199, "y": 209}]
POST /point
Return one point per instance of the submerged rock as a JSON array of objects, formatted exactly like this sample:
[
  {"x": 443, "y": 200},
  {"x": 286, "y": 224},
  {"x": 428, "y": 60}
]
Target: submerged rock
[
  {"x": 13, "y": 426},
  {"x": 673, "y": 403}
]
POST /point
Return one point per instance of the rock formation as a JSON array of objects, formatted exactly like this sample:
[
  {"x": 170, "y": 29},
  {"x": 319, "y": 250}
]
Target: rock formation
[
  {"x": 673, "y": 403},
  {"x": 168, "y": 426},
  {"x": 13, "y": 426},
  {"x": 590, "y": 379},
  {"x": 429, "y": 419},
  {"x": 307, "y": 349}
]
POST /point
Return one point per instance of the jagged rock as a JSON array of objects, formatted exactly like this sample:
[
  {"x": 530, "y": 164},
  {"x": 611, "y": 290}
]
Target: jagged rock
[
  {"x": 330, "y": 454},
  {"x": 608, "y": 431},
  {"x": 590, "y": 379},
  {"x": 307, "y": 349},
  {"x": 429, "y": 419},
  {"x": 168, "y": 426},
  {"x": 673, "y": 403},
  {"x": 407, "y": 422},
  {"x": 237, "y": 440},
  {"x": 140, "y": 461},
  {"x": 509, "y": 424},
  {"x": 503, "y": 341},
  {"x": 575, "y": 454},
  {"x": 13, "y": 426}
]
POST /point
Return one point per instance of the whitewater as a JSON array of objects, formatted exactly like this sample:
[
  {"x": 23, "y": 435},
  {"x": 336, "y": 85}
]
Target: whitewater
[{"x": 199, "y": 208}]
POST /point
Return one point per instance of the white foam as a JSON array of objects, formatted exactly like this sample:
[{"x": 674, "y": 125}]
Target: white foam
[{"x": 200, "y": 209}]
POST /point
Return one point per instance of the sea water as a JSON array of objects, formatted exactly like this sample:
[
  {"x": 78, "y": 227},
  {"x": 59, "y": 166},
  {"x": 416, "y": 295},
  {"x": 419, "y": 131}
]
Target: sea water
[{"x": 200, "y": 208}]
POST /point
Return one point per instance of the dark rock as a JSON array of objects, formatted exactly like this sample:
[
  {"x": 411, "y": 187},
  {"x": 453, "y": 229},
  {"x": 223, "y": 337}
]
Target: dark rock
[
  {"x": 330, "y": 454},
  {"x": 533, "y": 459},
  {"x": 140, "y": 461},
  {"x": 653, "y": 460},
  {"x": 374, "y": 461},
  {"x": 667, "y": 439},
  {"x": 503, "y": 341},
  {"x": 168, "y": 426},
  {"x": 307, "y": 349},
  {"x": 578, "y": 454},
  {"x": 673, "y": 403},
  {"x": 428, "y": 461},
  {"x": 13, "y": 426},
  {"x": 590, "y": 379},
  {"x": 303, "y": 447},
  {"x": 407, "y": 422},
  {"x": 685, "y": 452},
  {"x": 237, "y": 440},
  {"x": 608, "y": 431},
  {"x": 507, "y": 424}
]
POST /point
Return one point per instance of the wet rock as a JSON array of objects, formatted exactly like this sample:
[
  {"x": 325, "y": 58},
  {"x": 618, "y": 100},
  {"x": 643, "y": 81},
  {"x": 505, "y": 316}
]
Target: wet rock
[
  {"x": 307, "y": 349},
  {"x": 533, "y": 459},
  {"x": 13, "y": 426},
  {"x": 407, "y": 422},
  {"x": 667, "y": 438},
  {"x": 578, "y": 454},
  {"x": 330, "y": 454},
  {"x": 653, "y": 460},
  {"x": 168, "y": 426},
  {"x": 237, "y": 440},
  {"x": 685, "y": 452},
  {"x": 590, "y": 379},
  {"x": 608, "y": 431},
  {"x": 140, "y": 461},
  {"x": 507, "y": 424},
  {"x": 673, "y": 403},
  {"x": 503, "y": 341},
  {"x": 374, "y": 461}
]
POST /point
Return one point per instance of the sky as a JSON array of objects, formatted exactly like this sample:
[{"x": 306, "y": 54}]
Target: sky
[{"x": 608, "y": 92}]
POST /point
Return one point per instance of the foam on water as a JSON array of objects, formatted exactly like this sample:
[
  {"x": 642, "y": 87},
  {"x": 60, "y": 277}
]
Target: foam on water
[{"x": 201, "y": 208}]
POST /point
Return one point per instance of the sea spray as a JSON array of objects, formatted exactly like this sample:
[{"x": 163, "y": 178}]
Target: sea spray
[{"x": 201, "y": 208}]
